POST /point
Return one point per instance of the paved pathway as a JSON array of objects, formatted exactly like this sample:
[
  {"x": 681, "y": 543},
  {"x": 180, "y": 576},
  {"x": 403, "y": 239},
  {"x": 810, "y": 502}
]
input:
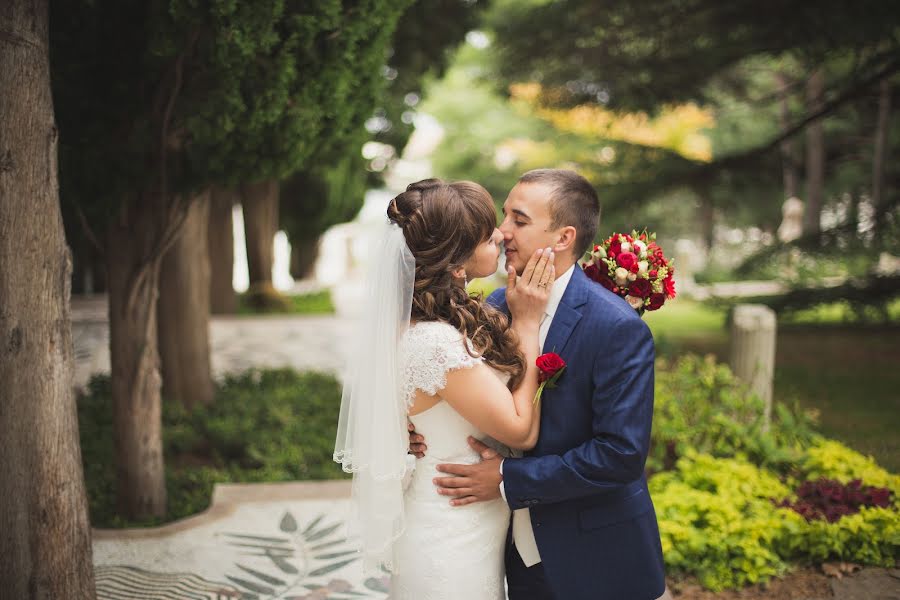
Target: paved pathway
[
  {"x": 285, "y": 541},
  {"x": 237, "y": 343}
]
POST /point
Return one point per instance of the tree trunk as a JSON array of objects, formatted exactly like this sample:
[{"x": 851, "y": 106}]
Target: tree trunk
[
  {"x": 45, "y": 538},
  {"x": 707, "y": 214},
  {"x": 260, "y": 204},
  {"x": 880, "y": 150},
  {"x": 183, "y": 311},
  {"x": 815, "y": 154},
  {"x": 753, "y": 334},
  {"x": 303, "y": 257},
  {"x": 133, "y": 281},
  {"x": 788, "y": 153},
  {"x": 223, "y": 300}
]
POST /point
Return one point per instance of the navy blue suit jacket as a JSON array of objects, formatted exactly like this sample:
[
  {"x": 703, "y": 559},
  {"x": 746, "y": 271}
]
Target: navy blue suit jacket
[{"x": 584, "y": 482}]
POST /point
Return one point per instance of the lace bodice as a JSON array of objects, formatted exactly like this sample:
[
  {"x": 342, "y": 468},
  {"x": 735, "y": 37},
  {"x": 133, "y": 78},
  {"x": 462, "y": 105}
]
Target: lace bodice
[{"x": 429, "y": 350}]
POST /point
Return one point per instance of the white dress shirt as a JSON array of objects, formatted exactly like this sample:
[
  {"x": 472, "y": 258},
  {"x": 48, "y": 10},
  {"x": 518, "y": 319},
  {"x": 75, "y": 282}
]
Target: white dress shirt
[{"x": 523, "y": 534}]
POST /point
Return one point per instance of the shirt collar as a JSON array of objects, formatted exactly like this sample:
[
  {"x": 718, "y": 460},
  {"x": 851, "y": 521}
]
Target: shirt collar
[{"x": 557, "y": 291}]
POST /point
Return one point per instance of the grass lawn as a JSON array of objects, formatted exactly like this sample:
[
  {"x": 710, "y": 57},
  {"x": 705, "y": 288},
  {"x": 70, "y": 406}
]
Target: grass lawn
[
  {"x": 315, "y": 303},
  {"x": 848, "y": 373}
]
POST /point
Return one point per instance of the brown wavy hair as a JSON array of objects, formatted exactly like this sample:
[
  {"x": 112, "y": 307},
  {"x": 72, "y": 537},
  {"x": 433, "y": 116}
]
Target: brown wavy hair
[{"x": 443, "y": 224}]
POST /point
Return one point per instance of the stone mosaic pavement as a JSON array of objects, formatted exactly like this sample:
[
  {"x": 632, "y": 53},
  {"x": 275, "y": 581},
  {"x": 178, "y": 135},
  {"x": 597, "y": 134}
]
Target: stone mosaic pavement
[{"x": 256, "y": 542}]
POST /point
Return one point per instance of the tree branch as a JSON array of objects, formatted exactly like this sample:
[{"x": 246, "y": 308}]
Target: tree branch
[{"x": 798, "y": 127}]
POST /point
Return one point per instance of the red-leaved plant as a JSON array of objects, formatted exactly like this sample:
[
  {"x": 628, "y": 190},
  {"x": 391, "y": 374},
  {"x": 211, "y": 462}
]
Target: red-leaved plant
[{"x": 830, "y": 500}]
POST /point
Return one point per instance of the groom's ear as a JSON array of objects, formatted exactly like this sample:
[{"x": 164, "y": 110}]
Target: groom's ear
[{"x": 566, "y": 239}]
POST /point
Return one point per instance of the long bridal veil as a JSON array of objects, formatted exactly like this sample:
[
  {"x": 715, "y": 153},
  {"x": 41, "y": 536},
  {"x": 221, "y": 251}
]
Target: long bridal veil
[{"x": 372, "y": 438}]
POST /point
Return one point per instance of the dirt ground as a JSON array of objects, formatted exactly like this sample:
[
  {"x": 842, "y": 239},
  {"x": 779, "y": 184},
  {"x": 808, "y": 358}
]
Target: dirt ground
[{"x": 804, "y": 584}]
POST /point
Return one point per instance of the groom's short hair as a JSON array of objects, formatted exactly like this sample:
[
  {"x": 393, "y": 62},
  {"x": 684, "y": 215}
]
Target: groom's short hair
[{"x": 573, "y": 201}]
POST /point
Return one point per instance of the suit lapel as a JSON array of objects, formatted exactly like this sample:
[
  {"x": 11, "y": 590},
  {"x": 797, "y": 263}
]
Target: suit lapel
[{"x": 567, "y": 314}]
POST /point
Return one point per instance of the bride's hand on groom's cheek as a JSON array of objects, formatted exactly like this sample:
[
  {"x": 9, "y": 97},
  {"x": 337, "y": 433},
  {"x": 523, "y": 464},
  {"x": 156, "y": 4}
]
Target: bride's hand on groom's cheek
[
  {"x": 472, "y": 483},
  {"x": 527, "y": 295}
]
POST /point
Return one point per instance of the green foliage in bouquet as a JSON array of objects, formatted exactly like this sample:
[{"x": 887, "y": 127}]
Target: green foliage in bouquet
[
  {"x": 701, "y": 406},
  {"x": 265, "y": 425}
]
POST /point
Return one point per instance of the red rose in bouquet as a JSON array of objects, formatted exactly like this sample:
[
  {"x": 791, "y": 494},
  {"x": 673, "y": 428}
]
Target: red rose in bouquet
[
  {"x": 656, "y": 301},
  {"x": 627, "y": 260},
  {"x": 640, "y": 288},
  {"x": 633, "y": 267}
]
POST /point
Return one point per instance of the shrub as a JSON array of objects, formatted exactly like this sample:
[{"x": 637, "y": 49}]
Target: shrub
[
  {"x": 832, "y": 460},
  {"x": 272, "y": 425},
  {"x": 718, "y": 520},
  {"x": 700, "y": 405},
  {"x": 830, "y": 500}
]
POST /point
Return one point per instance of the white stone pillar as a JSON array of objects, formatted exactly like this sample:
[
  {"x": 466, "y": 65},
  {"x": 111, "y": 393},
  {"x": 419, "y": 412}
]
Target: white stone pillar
[{"x": 753, "y": 331}]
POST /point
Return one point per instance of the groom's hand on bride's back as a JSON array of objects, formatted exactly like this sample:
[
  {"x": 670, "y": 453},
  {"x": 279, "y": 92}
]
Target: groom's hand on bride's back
[
  {"x": 417, "y": 445},
  {"x": 472, "y": 483}
]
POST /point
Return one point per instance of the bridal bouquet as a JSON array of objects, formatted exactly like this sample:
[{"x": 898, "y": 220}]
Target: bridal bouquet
[{"x": 634, "y": 267}]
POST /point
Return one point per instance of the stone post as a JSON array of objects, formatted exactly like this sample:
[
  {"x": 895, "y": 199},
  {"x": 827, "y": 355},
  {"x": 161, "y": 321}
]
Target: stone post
[{"x": 753, "y": 333}]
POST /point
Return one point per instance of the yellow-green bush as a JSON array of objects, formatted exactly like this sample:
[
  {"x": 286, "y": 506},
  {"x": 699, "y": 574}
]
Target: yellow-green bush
[
  {"x": 833, "y": 460},
  {"x": 718, "y": 521}
]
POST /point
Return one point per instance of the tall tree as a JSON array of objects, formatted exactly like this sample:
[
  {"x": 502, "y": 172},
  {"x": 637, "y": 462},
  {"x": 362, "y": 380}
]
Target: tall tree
[
  {"x": 220, "y": 250},
  {"x": 45, "y": 538},
  {"x": 184, "y": 288},
  {"x": 420, "y": 49},
  {"x": 260, "y": 204},
  {"x": 137, "y": 85},
  {"x": 788, "y": 152},
  {"x": 880, "y": 150},
  {"x": 815, "y": 154},
  {"x": 164, "y": 99}
]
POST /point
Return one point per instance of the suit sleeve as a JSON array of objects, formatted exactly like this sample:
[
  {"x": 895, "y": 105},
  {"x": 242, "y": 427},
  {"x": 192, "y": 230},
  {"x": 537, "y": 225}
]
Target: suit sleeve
[
  {"x": 622, "y": 415},
  {"x": 497, "y": 299}
]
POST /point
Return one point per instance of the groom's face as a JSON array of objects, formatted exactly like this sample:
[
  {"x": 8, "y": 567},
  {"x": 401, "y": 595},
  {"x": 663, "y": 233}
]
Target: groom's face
[{"x": 526, "y": 223}]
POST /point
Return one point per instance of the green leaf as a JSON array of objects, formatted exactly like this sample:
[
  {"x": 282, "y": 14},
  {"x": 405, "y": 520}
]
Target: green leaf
[{"x": 288, "y": 524}]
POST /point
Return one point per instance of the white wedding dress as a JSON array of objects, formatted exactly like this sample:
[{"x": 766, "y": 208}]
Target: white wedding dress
[{"x": 445, "y": 552}]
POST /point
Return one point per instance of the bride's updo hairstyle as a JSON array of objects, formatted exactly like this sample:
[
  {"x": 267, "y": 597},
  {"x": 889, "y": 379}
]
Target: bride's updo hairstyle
[{"x": 443, "y": 224}]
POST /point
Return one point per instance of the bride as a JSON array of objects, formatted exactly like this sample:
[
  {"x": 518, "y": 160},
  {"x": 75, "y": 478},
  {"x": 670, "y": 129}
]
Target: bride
[{"x": 453, "y": 366}]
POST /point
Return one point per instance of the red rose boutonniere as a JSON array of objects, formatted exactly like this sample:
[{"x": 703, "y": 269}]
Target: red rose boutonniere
[{"x": 551, "y": 366}]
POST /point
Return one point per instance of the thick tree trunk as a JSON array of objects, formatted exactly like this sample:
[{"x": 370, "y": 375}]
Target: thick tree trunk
[
  {"x": 223, "y": 300},
  {"x": 260, "y": 204},
  {"x": 788, "y": 152},
  {"x": 880, "y": 150},
  {"x": 815, "y": 154},
  {"x": 183, "y": 311},
  {"x": 303, "y": 257},
  {"x": 133, "y": 288},
  {"x": 45, "y": 539}
]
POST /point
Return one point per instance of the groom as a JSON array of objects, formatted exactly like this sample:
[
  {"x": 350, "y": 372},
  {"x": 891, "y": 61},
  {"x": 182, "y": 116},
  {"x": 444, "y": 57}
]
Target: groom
[{"x": 583, "y": 525}]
